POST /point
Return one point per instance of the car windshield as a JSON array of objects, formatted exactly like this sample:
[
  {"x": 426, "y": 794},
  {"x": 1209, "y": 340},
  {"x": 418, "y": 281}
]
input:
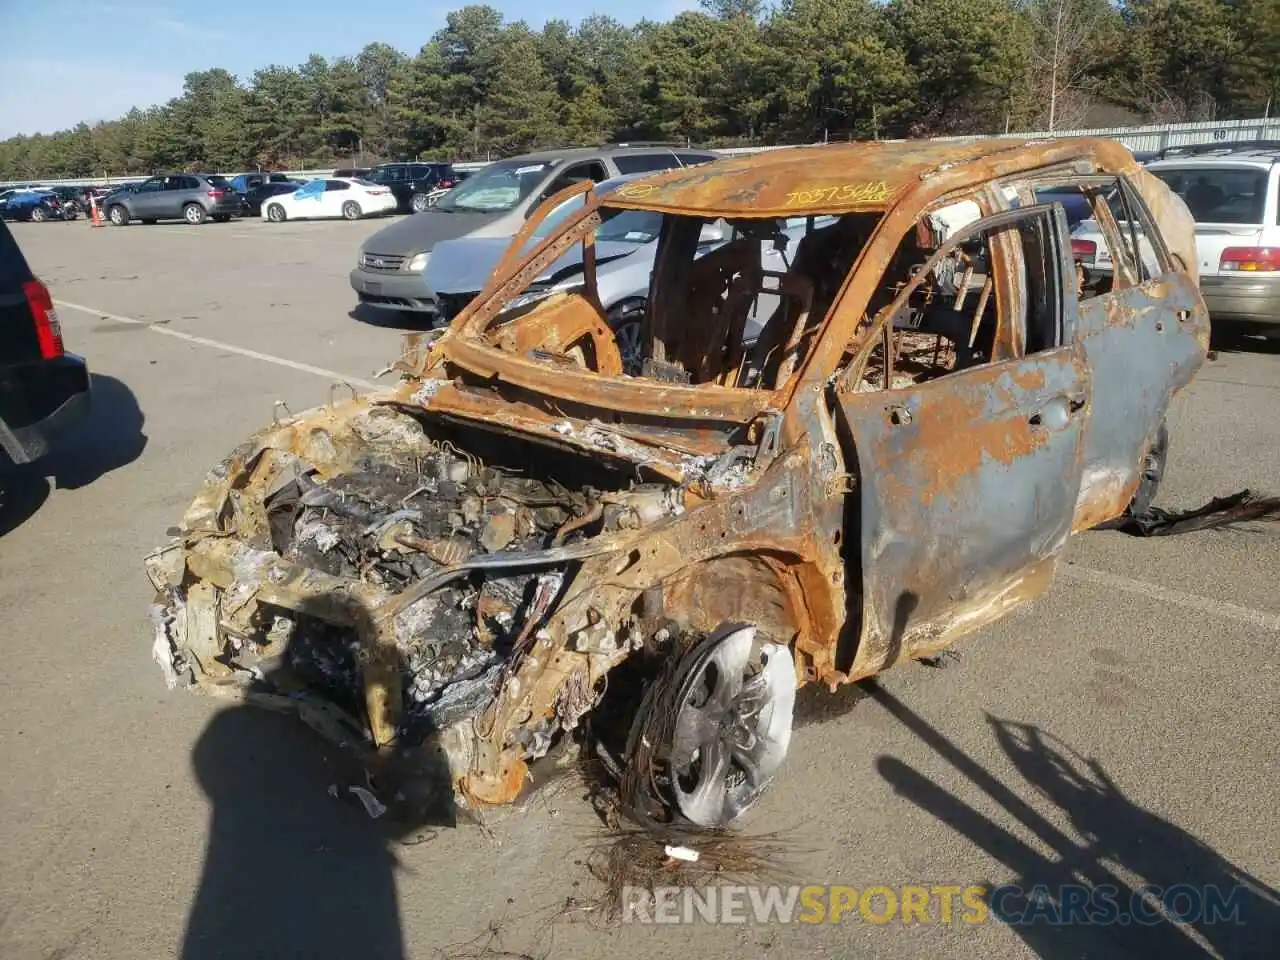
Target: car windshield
[{"x": 497, "y": 188}]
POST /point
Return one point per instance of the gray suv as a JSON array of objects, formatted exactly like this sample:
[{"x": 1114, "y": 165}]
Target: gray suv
[
  {"x": 494, "y": 202},
  {"x": 192, "y": 197}
]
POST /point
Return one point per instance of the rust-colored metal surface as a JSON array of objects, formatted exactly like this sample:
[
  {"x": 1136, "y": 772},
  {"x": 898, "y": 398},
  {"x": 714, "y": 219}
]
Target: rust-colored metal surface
[{"x": 475, "y": 559}]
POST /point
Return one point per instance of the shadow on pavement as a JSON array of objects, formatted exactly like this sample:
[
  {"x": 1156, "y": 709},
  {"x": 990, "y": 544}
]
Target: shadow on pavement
[
  {"x": 294, "y": 865},
  {"x": 1096, "y": 875},
  {"x": 1228, "y": 337},
  {"x": 390, "y": 319},
  {"x": 110, "y": 437}
]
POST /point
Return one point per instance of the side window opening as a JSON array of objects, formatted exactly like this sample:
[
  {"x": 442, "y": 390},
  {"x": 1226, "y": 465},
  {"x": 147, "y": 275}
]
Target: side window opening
[
  {"x": 1114, "y": 243},
  {"x": 577, "y": 173},
  {"x": 1145, "y": 246},
  {"x": 937, "y": 311}
]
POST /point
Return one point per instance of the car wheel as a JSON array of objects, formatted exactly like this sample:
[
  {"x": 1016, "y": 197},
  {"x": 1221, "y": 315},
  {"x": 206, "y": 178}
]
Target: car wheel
[
  {"x": 276, "y": 214},
  {"x": 420, "y": 202},
  {"x": 712, "y": 731},
  {"x": 194, "y": 214},
  {"x": 70, "y": 213},
  {"x": 627, "y": 322},
  {"x": 38, "y": 215},
  {"x": 351, "y": 210},
  {"x": 119, "y": 216}
]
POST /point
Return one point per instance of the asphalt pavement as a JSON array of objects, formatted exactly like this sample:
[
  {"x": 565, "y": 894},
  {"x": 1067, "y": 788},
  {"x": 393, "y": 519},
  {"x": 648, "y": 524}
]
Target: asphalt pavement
[{"x": 1118, "y": 731}]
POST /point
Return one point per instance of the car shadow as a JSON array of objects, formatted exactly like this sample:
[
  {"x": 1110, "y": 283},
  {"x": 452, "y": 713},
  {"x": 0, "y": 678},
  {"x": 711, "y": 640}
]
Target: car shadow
[
  {"x": 108, "y": 438},
  {"x": 1227, "y": 337},
  {"x": 297, "y": 863},
  {"x": 390, "y": 319},
  {"x": 1095, "y": 874}
]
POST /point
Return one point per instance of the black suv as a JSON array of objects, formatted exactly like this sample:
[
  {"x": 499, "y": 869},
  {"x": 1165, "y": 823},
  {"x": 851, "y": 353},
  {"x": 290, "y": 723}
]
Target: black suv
[
  {"x": 43, "y": 389},
  {"x": 410, "y": 183}
]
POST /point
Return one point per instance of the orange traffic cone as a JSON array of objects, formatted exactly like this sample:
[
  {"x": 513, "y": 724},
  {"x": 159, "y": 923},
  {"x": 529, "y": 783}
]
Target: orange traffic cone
[{"x": 95, "y": 218}]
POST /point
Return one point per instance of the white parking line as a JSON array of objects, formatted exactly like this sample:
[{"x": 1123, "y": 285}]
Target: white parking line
[
  {"x": 1192, "y": 601},
  {"x": 228, "y": 347}
]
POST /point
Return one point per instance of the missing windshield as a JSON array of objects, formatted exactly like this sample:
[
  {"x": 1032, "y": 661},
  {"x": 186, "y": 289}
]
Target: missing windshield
[{"x": 677, "y": 299}]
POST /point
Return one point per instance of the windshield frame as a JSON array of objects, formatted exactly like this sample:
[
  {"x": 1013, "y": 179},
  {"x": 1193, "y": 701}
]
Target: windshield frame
[{"x": 465, "y": 341}]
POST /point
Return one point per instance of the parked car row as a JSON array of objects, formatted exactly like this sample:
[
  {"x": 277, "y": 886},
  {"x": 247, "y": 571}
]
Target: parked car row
[
  {"x": 36, "y": 205},
  {"x": 492, "y": 204}
]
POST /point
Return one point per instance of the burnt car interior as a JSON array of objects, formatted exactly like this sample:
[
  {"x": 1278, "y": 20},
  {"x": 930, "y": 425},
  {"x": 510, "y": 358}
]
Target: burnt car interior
[
  {"x": 700, "y": 301},
  {"x": 938, "y": 307}
]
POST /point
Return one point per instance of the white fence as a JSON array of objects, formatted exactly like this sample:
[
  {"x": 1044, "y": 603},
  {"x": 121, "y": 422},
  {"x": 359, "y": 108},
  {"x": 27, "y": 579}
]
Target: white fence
[
  {"x": 1160, "y": 136},
  {"x": 1138, "y": 139}
]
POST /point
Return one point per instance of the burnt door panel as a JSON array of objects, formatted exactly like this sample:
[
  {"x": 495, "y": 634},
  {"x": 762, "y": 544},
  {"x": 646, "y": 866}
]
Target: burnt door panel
[
  {"x": 967, "y": 491},
  {"x": 1142, "y": 344}
]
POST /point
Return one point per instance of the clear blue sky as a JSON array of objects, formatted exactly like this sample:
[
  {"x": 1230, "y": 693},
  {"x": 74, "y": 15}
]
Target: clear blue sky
[{"x": 71, "y": 60}]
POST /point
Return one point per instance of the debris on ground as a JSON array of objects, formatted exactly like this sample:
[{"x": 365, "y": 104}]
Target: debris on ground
[
  {"x": 643, "y": 858},
  {"x": 1220, "y": 512}
]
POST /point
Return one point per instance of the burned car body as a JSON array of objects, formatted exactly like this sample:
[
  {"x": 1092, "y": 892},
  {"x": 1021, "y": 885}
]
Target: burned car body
[{"x": 518, "y": 536}]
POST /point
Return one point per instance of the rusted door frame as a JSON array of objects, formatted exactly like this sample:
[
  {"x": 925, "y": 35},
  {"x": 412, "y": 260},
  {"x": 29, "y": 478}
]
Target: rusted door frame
[{"x": 968, "y": 482}]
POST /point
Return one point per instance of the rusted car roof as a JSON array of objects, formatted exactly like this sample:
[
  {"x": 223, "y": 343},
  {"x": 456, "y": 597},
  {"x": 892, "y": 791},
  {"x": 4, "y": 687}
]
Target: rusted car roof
[{"x": 838, "y": 178}]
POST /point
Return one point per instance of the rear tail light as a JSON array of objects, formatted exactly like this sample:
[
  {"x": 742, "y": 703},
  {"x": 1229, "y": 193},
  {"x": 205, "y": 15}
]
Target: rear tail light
[
  {"x": 48, "y": 330},
  {"x": 1084, "y": 250},
  {"x": 216, "y": 194},
  {"x": 1250, "y": 259}
]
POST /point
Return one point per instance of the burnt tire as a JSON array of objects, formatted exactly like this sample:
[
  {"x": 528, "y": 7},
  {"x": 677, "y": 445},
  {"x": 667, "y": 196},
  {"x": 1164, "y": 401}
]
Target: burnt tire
[
  {"x": 712, "y": 730},
  {"x": 118, "y": 216},
  {"x": 351, "y": 211},
  {"x": 194, "y": 214}
]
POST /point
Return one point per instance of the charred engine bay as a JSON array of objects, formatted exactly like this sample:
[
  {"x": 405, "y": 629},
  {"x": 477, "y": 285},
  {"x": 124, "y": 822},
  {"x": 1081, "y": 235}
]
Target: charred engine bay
[{"x": 403, "y": 512}]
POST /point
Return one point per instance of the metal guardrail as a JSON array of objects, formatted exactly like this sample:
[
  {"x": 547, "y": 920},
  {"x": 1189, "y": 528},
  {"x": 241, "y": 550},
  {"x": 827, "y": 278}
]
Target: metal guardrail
[
  {"x": 1148, "y": 138},
  {"x": 1153, "y": 137}
]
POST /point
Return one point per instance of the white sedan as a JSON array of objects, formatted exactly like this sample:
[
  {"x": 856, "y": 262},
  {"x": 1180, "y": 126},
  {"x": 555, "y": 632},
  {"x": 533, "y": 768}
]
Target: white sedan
[{"x": 344, "y": 197}]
